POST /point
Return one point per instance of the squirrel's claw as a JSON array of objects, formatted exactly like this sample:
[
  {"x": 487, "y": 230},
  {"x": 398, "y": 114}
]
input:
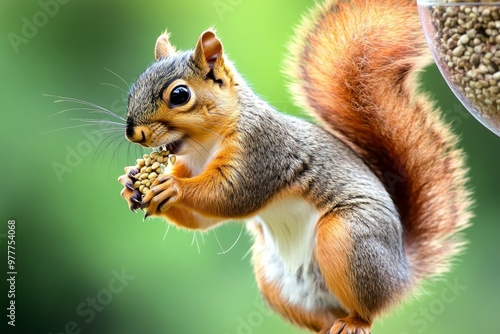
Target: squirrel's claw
[
  {"x": 132, "y": 172},
  {"x": 135, "y": 203},
  {"x": 350, "y": 326},
  {"x": 131, "y": 195}
]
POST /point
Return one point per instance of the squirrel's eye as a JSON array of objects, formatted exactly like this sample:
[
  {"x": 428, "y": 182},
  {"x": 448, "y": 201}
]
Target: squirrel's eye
[{"x": 180, "y": 95}]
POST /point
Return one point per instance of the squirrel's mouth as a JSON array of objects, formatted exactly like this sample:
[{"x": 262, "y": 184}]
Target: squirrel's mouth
[{"x": 174, "y": 146}]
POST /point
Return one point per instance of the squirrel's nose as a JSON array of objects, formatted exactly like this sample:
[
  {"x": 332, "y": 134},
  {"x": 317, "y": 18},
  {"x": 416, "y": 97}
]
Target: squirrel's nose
[
  {"x": 129, "y": 131},
  {"x": 137, "y": 133}
]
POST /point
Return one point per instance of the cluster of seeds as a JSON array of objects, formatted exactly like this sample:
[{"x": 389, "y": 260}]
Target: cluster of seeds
[
  {"x": 468, "y": 44},
  {"x": 150, "y": 166}
]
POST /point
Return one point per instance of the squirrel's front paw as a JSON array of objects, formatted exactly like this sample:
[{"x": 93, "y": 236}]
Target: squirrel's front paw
[
  {"x": 162, "y": 195},
  {"x": 131, "y": 195}
]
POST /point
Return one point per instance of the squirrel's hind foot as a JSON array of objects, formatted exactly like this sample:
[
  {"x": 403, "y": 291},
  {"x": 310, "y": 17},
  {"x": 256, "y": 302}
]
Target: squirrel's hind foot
[{"x": 350, "y": 325}]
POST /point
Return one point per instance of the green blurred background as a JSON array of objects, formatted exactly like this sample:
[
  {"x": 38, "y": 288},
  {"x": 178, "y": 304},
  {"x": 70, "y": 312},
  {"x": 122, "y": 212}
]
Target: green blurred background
[{"x": 74, "y": 231}]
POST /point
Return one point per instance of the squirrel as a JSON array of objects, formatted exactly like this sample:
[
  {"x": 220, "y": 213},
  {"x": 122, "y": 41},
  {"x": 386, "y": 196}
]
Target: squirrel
[{"x": 350, "y": 213}]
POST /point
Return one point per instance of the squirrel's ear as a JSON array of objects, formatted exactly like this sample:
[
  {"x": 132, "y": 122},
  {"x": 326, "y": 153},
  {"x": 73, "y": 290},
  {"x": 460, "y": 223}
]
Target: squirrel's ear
[
  {"x": 208, "y": 51},
  {"x": 163, "y": 48}
]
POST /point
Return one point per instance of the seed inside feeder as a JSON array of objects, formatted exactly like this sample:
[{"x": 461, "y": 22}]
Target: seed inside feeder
[{"x": 467, "y": 41}]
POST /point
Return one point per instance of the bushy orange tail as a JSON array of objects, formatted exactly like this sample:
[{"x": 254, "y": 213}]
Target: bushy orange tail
[{"x": 354, "y": 66}]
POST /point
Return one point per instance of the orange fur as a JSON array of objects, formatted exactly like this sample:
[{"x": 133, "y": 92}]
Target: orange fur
[
  {"x": 182, "y": 217},
  {"x": 200, "y": 192},
  {"x": 178, "y": 215},
  {"x": 333, "y": 245}
]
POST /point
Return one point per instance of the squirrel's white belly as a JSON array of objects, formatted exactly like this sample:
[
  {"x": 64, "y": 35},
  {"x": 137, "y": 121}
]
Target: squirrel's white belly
[{"x": 289, "y": 228}]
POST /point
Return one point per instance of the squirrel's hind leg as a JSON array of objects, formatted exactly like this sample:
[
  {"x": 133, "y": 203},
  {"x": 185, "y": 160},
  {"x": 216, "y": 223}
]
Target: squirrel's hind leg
[
  {"x": 334, "y": 243},
  {"x": 362, "y": 265}
]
